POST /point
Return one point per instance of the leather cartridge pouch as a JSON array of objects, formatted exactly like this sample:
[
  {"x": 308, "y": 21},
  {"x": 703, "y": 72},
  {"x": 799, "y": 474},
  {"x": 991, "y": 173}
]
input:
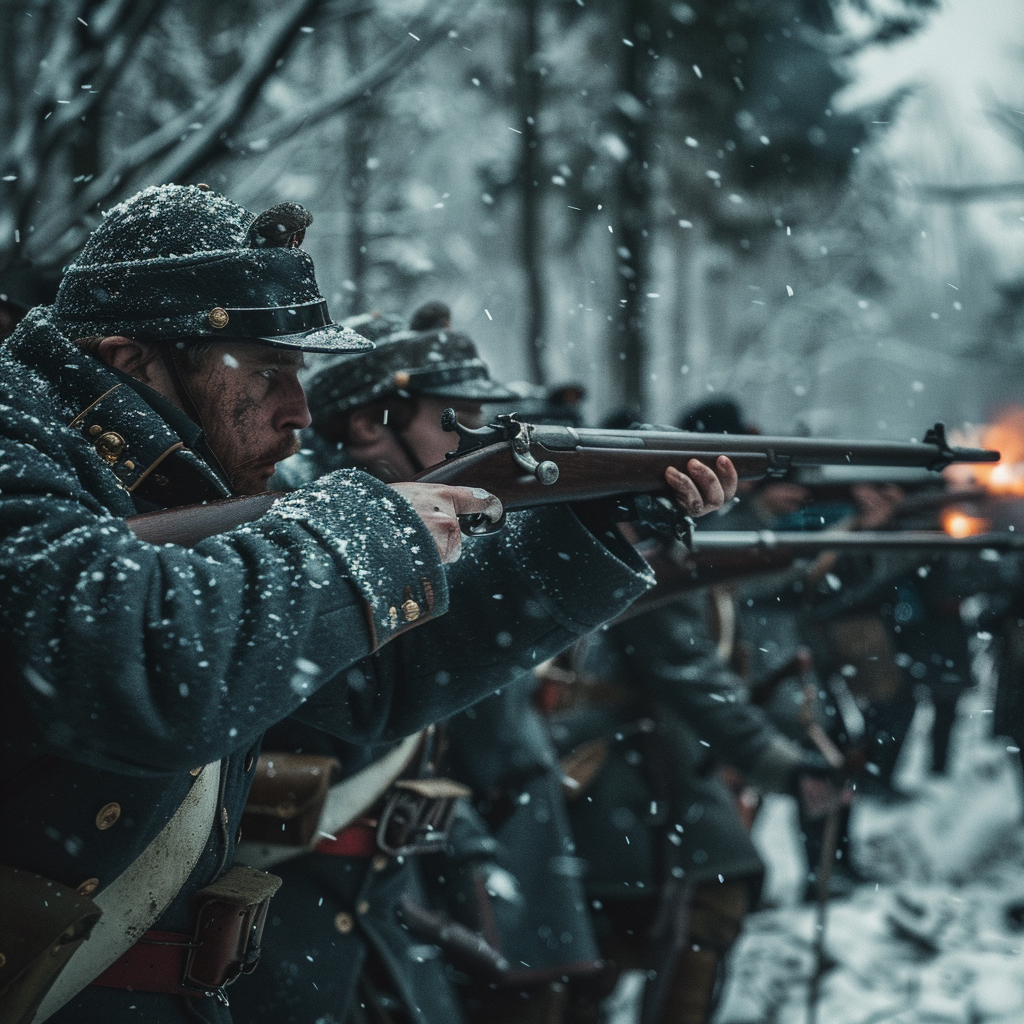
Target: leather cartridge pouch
[
  {"x": 417, "y": 815},
  {"x": 287, "y": 798},
  {"x": 41, "y": 925},
  {"x": 230, "y": 915}
]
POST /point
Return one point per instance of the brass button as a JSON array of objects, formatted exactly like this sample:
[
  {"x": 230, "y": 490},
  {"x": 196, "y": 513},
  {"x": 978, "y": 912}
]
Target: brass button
[
  {"x": 202, "y": 186},
  {"x": 362, "y": 907},
  {"x": 402, "y": 379},
  {"x": 110, "y": 445},
  {"x": 108, "y": 815},
  {"x": 379, "y": 862},
  {"x": 195, "y": 771},
  {"x": 393, "y": 616},
  {"x": 411, "y": 610},
  {"x": 95, "y": 430},
  {"x": 88, "y": 887},
  {"x": 344, "y": 923},
  {"x": 128, "y": 464},
  {"x": 250, "y": 760},
  {"x": 218, "y": 317}
]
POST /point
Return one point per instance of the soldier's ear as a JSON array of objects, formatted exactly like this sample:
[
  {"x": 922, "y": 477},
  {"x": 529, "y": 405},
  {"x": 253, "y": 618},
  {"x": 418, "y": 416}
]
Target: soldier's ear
[
  {"x": 125, "y": 354},
  {"x": 365, "y": 426}
]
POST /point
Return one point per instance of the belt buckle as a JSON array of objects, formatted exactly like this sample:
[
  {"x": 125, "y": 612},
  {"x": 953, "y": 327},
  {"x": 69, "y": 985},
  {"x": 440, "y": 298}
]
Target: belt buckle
[
  {"x": 230, "y": 916},
  {"x": 417, "y": 815}
]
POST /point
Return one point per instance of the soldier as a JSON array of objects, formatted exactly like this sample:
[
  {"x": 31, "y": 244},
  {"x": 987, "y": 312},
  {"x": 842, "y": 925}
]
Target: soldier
[
  {"x": 515, "y": 885},
  {"x": 645, "y": 712},
  {"x": 140, "y": 678}
]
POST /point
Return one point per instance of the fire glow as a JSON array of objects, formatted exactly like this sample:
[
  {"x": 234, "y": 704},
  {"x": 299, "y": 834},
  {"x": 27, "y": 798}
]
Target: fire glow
[
  {"x": 1006, "y": 435},
  {"x": 959, "y": 524}
]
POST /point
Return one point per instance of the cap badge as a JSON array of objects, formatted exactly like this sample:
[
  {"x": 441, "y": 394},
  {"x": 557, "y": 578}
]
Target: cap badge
[{"x": 218, "y": 317}]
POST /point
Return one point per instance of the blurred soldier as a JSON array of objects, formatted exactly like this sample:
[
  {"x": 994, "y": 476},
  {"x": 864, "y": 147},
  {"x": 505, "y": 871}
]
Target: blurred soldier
[
  {"x": 140, "y": 678},
  {"x": 649, "y": 710},
  {"x": 372, "y": 940}
]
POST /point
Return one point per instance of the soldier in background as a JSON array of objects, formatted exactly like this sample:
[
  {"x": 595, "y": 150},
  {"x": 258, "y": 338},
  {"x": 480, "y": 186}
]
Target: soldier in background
[
  {"x": 645, "y": 711},
  {"x": 507, "y": 910}
]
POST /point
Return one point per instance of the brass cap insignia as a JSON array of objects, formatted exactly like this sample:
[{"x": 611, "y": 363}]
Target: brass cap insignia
[{"x": 218, "y": 317}]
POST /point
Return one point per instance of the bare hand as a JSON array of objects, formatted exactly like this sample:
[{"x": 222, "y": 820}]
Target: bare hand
[
  {"x": 439, "y": 506},
  {"x": 701, "y": 489},
  {"x": 876, "y": 505}
]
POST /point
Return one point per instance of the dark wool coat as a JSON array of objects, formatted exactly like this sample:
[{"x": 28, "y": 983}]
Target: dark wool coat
[
  {"x": 657, "y": 805},
  {"x": 126, "y": 664}
]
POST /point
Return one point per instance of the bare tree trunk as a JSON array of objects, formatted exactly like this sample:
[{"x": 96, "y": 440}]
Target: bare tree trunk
[
  {"x": 631, "y": 214},
  {"x": 532, "y": 190},
  {"x": 359, "y": 132}
]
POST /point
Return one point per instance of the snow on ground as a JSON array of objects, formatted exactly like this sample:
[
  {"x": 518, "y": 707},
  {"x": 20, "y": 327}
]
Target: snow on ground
[{"x": 936, "y": 936}]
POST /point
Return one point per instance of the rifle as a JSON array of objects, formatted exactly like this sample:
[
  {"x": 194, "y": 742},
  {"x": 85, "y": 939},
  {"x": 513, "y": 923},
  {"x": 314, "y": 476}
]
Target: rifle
[
  {"x": 713, "y": 557},
  {"x": 527, "y": 465}
]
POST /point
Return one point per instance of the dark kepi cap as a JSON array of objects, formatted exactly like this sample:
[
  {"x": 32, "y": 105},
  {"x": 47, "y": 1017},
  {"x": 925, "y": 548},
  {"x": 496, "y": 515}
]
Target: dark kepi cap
[
  {"x": 443, "y": 364},
  {"x": 179, "y": 261}
]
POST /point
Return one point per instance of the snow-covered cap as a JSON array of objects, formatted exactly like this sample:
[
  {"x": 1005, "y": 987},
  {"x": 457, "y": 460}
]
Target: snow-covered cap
[
  {"x": 443, "y": 364},
  {"x": 179, "y": 261}
]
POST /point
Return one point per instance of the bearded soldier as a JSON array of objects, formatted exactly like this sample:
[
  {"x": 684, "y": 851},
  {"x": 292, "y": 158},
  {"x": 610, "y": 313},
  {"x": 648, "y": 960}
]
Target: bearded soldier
[{"x": 139, "y": 677}]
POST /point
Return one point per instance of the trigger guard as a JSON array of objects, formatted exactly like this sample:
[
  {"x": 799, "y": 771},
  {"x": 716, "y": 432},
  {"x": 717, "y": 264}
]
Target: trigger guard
[{"x": 476, "y": 524}]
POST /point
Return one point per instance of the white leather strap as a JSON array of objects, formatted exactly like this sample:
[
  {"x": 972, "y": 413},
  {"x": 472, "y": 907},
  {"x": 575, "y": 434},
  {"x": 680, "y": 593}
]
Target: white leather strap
[
  {"x": 346, "y": 800},
  {"x": 142, "y": 892}
]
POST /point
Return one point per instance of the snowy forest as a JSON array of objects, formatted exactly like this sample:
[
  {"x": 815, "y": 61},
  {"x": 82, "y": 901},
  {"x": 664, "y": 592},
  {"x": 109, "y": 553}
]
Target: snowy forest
[
  {"x": 657, "y": 200},
  {"x": 813, "y": 207}
]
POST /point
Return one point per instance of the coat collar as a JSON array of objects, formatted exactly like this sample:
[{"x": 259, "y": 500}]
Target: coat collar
[{"x": 144, "y": 441}]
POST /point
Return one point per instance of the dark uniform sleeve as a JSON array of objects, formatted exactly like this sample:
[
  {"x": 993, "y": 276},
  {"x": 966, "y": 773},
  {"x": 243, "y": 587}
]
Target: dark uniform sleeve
[
  {"x": 669, "y": 650},
  {"x": 143, "y": 658},
  {"x": 516, "y": 598}
]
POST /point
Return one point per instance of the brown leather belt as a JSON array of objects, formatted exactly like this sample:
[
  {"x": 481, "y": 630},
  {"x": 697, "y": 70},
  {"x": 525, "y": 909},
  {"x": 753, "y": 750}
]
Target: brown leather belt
[
  {"x": 229, "y": 914},
  {"x": 414, "y": 817},
  {"x": 358, "y": 840},
  {"x": 156, "y": 963}
]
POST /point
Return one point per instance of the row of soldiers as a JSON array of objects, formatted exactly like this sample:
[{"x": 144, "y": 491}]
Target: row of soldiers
[
  {"x": 482, "y": 815},
  {"x": 604, "y": 826}
]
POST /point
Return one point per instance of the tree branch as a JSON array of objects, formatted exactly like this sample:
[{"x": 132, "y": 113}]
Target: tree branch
[
  {"x": 219, "y": 110},
  {"x": 380, "y": 71}
]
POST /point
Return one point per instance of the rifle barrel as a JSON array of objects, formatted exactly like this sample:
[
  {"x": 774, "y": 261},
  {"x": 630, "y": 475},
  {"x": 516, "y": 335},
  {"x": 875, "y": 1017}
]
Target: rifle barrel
[{"x": 838, "y": 540}]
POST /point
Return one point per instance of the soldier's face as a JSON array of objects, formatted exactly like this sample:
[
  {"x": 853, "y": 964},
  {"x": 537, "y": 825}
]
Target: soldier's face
[
  {"x": 424, "y": 433},
  {"x": 251, "y": 405}
]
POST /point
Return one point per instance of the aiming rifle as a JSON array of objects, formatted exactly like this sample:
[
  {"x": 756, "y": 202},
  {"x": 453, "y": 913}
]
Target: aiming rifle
[
  {"x": 527, "y": 465},
  {"x": 713, "y": 557}
]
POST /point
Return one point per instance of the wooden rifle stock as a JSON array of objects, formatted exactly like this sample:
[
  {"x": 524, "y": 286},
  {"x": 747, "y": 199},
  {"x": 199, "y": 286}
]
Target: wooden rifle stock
[
  {"x": 527, "y": 465},
  {"x": 190, "y": 524}
]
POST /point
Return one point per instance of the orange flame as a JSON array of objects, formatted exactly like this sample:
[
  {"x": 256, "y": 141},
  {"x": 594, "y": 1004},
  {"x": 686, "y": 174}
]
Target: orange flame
[
  {"x": 960, "y": 524},
  {"x": 1003, "y": 477}
]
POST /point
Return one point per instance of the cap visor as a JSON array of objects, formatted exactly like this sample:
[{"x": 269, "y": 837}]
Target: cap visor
[
  {"x": 469, "y": 390},
  {"x": 331, "y": 338}
]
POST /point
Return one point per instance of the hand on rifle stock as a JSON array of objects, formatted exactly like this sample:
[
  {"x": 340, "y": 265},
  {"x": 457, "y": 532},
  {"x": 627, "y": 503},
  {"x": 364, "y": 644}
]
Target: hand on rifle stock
[
  {"x": 439, "y": 506},
  {"x": 701, "y": 489}
]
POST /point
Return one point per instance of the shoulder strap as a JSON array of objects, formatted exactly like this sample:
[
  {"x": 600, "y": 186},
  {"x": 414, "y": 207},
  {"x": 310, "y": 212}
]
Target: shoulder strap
[
  {"x": 346, "y": 800},
  {"x": 142, "y": 892}
]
